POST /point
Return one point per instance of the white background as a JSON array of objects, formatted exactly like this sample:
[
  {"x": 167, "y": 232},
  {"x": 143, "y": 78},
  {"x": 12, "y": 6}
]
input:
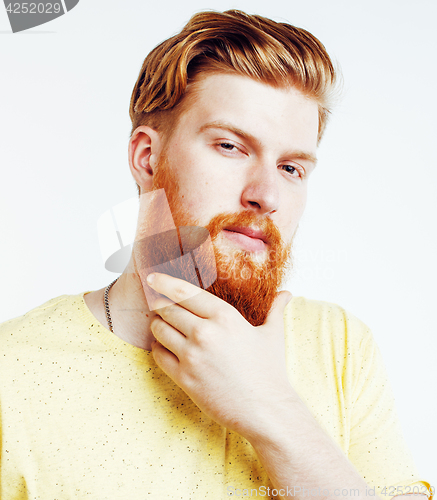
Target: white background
[{"x": 367, "y": 240}]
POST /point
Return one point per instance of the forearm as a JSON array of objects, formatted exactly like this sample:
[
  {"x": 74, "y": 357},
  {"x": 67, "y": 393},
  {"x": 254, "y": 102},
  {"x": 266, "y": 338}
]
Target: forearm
[{"x": 302, "y": 460}]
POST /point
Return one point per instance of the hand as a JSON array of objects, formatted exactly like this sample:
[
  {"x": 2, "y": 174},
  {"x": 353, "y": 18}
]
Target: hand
[{"x": 233, "y": 371}]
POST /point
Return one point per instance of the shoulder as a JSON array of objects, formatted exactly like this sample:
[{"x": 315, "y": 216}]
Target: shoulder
[
  {"x": 35, "y": 314},
  {"x": 329, "y": 351},
  {"x": 41, "y": 324},
  {"x": 325, "y": 325}
]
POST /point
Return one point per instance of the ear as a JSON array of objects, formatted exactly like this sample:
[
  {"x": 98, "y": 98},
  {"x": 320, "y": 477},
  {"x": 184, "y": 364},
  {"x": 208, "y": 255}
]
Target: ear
[{"x": 144, "y": 150}]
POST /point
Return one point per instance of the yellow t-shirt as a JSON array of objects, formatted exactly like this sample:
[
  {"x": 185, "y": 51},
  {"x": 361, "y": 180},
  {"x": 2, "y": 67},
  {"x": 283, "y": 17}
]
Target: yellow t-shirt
[{"x": 86, "y": 415}]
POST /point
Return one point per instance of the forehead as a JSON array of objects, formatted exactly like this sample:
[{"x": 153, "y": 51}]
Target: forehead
[{"x": 281, "y": 115}]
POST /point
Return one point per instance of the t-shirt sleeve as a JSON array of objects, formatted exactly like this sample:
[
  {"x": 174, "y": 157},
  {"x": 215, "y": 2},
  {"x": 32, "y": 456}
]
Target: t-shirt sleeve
[{"x": 377, "y": 447}]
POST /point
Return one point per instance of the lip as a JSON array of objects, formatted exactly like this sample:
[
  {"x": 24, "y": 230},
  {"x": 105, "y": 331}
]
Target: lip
[
  {"x": 252, "y": 240},
  {"x": 248, "y": 231}
]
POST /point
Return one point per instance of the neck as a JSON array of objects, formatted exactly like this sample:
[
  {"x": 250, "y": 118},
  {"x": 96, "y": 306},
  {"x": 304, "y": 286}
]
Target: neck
[{"x": 130, "y": 314}]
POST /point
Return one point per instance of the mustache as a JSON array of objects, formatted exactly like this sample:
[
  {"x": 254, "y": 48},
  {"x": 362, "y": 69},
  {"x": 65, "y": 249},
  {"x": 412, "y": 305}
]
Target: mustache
[
  {"x": 246, "y": 280},
  {"x": 270, "y": 232}
]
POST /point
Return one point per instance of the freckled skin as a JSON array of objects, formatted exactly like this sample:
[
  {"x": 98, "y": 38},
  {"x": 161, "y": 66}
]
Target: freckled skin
[
  {"x": 238, "y": 174},
  {"x": 245, "y": 174}
]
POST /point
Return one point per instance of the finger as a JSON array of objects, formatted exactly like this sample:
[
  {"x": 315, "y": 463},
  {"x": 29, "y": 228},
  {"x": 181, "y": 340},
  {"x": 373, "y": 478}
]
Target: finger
[
  {"x": 165, "y": 359},
  {"x": 169, "y": 337},
  {"x": 178, "y": 317},
  {"x": 187, "y": 295}
]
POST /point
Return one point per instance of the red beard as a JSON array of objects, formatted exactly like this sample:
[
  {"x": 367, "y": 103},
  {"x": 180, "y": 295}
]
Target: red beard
[{"x": 247, "y": 281}]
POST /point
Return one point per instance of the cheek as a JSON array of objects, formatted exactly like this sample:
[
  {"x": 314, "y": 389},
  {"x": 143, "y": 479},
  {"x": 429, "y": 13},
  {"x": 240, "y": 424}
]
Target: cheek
[
  {"x": 202, "y": 203},
  {"x": 198, "y": 198},
  {"x": 294, "y": 210},
  {"x": 201, "y": 187},
  {"x": 296, "y": 200},
  {"x": 302, "y": 203}
]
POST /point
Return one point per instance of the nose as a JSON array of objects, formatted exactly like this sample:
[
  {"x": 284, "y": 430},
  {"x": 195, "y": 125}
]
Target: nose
[{"x": 261, "y": 191}]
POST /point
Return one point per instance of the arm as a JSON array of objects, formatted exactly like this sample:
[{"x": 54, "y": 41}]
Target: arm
[
  {"x": 300, "y": 458},
  {"x": 303, "y": 462},
  {"x": 236, "y": 373}
]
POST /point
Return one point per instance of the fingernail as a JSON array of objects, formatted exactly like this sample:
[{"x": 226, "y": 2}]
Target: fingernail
[{"x": 150, "y": 278}]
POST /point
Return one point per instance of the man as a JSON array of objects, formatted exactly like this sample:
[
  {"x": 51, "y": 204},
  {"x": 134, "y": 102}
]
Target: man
[{"x": 229, "y": 391}]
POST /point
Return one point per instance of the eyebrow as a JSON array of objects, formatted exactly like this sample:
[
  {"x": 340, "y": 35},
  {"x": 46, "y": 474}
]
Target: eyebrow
[{"x": 304, "y": 155}]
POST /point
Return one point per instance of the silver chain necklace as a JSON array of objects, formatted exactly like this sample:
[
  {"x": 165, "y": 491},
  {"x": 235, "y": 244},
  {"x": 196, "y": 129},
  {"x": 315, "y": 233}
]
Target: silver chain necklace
[{"x": 106, "y": 304}]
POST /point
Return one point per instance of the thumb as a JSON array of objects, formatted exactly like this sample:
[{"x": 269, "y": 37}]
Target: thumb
[{"x": 276, "y": 313}]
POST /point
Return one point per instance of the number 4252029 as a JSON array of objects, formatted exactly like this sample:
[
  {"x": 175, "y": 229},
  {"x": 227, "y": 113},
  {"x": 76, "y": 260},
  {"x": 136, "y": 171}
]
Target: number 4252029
[{"x": 34, "y": 8}]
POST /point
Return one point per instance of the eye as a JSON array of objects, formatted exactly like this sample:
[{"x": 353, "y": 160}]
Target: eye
[
  {"x": 227, "y": 146},
  {"x": 294, "y": 171},
  {"x": 230, "y": 149}
]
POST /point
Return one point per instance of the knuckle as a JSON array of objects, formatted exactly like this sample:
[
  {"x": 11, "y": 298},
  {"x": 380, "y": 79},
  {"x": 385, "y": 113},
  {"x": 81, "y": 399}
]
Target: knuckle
[
  {"x": 186, "y": 380},
  {"x": 179, "y": 293},
  {"x": 157, "y": 353},
  {"x": 190, "y": 358},
  {"x": 198, "y": 333},
  {"x": 159, "y": 304},
  {"x": 156, "y": 325}
]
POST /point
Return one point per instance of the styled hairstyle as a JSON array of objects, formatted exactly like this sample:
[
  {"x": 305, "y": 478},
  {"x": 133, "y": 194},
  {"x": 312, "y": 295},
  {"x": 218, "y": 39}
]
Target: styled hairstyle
[{"x": 277, "y": 54}]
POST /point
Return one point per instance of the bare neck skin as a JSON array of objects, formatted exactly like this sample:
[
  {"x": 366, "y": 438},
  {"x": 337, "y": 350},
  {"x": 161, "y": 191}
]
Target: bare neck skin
[{"x": 128, "y": 306}]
